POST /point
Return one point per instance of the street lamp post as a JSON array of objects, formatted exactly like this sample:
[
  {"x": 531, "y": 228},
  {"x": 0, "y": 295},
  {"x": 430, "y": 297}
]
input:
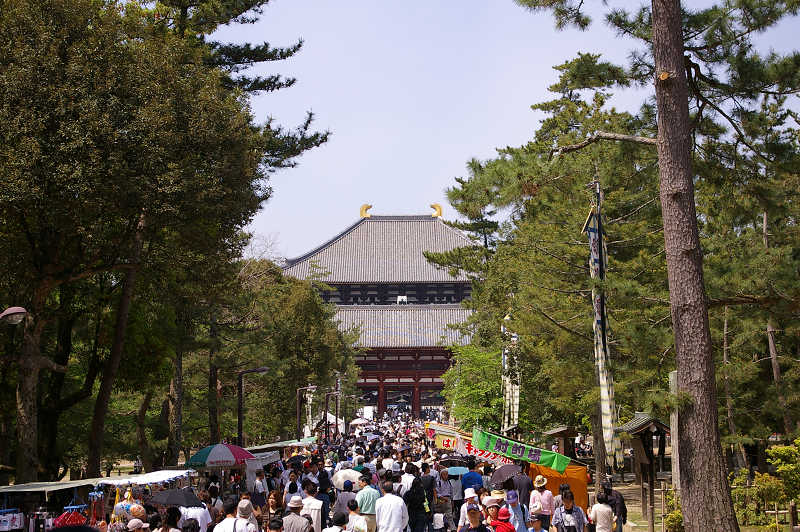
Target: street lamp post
[
  {"x": 240, "y": 413},
  {"x": 327, "y": 403},
  {"x": 338, "y": 400},
  {"x": 299, "y": 390}
]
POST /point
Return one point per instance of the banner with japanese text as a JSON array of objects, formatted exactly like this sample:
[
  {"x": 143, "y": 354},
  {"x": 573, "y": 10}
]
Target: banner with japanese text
[
  {"x": 464, "y": 446},
  {"x": 518, "y": 451}
]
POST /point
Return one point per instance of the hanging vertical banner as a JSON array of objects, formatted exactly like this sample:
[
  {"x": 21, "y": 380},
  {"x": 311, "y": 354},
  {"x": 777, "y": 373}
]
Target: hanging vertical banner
[
  {"x": 510, "y": 383},
  {"x": 597, "y": 268}
]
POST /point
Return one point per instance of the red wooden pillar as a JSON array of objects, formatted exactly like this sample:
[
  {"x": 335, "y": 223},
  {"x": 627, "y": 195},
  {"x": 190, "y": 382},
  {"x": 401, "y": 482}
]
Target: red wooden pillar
[
  {"x": 415, "y": 401},
  {"x": 381, "y": 398}
]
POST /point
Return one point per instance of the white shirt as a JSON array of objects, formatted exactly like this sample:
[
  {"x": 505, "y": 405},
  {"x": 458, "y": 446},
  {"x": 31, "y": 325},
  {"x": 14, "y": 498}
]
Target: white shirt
[
  {"x": 405, "y": 483},
  {"x": 603, "y": 517},
  {"x": 313, "y": 507},
  {"x": 356, "y": 523},
  {"x": 232, "y": 524},
  {"x": 391, "y": 513},
  {"x": 202, "y": 515}
]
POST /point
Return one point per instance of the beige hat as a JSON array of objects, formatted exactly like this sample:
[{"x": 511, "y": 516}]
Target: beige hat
[
  {"x": 245, "y": 508},
  {"x": 295, "y": 502},
  {"x": 499, "y": 494},
  {"x": 491, "y": 501},
  {"x": 540, "y": 481},
  {"x": 137, "y": 524}
]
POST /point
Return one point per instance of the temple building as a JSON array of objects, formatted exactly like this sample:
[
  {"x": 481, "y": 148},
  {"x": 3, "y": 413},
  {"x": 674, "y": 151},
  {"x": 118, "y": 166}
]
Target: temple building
[{"x": 381, "y": 282}]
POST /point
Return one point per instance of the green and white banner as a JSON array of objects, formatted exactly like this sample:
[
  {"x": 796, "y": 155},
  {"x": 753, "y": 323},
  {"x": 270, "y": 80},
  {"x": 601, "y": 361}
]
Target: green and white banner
[{"x": 487, "y": 441}]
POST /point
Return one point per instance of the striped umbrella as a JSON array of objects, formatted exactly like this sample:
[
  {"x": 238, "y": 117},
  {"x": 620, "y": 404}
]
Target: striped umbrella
[{"x": 219, "y": 455}]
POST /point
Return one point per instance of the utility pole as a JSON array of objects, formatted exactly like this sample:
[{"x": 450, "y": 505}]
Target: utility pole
[{"x": 299, "y": 395}]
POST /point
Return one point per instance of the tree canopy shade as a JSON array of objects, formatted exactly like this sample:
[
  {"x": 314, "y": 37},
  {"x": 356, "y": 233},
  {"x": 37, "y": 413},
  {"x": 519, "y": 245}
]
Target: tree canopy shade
[
  {"x": 123, "y": 146},
  {"x": 714, "y": 94}
]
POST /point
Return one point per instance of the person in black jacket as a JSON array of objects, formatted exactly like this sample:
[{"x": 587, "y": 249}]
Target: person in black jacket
[{"x": 617, "y": 502}]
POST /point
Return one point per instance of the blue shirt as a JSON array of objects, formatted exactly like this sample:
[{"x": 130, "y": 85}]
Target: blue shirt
[
  {"x": 519, "y": 517},
  {"x": 472, "y": 480}
]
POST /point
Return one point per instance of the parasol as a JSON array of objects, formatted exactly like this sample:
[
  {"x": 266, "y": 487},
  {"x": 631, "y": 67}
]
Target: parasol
[
  {"x": 219, "y": 455},
  {"x": 453, "y": 460},
  {"x": 346, "y": 474},
  {"x": 457, "y": 470},
  {"x": 177, "y": 497},
  {"x": 504, "y": 473},
  {"x": 359, "y": 421}
]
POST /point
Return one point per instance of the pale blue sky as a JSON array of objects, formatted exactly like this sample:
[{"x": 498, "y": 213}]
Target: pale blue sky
[{"x": 410, "y": 91}]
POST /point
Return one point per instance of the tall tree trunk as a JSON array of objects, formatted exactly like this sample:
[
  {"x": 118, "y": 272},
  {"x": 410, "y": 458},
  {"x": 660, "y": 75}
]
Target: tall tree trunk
[
  {"x": 97, "y": 428},
  {"x": 31, "y": 362},
  {"x": 176, "y": 409},
  {"x": 773, "y": 350},
  {"x": 739, "y": 456},
  {"x": 705, "y": 494},
  {"x": 211, "y": 393},
  {"x": 599, "y": 450},
  {"x": 145, "y": 451}
]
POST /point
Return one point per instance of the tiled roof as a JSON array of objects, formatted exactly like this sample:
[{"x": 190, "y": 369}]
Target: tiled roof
[
  {"x": 404, "y": 325},
  {"x": 641, "y": 421},
  {"x": 383, "y": 249}
]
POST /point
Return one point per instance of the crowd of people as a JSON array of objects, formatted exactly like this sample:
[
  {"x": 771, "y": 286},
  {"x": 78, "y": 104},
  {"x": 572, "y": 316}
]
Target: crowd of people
[{"x": 390, "y": 479}]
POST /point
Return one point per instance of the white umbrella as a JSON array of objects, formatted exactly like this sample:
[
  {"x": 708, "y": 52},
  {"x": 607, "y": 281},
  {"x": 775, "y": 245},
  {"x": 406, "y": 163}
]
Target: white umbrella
[
  {"x": 346, "y": 474},
  {"x": 359, "y": 421}
]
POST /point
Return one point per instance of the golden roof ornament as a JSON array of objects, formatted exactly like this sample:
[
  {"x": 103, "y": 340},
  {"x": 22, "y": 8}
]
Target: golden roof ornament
[
  {"x": 437, "y": 210},
  {"x": 364, "y": 209}
]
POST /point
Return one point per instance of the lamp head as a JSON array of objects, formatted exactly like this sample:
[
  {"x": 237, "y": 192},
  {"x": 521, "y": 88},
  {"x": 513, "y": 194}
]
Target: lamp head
[{"x": 13, "y": 315}]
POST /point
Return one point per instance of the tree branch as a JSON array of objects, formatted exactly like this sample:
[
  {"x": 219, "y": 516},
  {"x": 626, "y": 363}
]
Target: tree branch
[{"x": 602, "y": 135}]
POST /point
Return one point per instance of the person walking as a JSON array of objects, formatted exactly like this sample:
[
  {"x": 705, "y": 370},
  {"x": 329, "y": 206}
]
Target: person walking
[
  {"x": 570, "y": 517},
  {"x": 366, "y": 498},
  {"x": 518, "y": 511},
  {"x": 474, "y": 519},
  {"x": 617, "y": 503},
  {"x": 601, "y": 514},
  {"x": 293, "y": 521},
  {"x": 231, "y": 523},
  {"x": 419, "y": 513},
  {"x": 312, "y": 506},
  {"x": 344, "y": 496},
  {"x": 356, "y": 521},
  {"x": 391, "y": 513},
  {"x": 541, "y": 496}
]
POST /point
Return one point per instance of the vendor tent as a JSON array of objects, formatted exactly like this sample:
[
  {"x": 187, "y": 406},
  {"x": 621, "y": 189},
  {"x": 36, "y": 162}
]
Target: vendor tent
[
  {"x": 281, "y": 445},
  {"x": 575, "y": 475},
  {"x": 154, "y": 477},
  {"x": 47, "y": 487},
  {"x": 253, "y": 465}
]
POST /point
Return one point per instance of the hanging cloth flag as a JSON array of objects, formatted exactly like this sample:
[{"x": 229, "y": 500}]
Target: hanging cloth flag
[
  {"x": 518, "y": 451},
  {"x": 597, "y": 268}
]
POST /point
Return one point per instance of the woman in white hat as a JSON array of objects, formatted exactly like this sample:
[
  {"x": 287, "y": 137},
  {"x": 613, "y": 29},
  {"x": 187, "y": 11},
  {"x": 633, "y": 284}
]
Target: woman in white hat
[{"x": 542, "y": 497}]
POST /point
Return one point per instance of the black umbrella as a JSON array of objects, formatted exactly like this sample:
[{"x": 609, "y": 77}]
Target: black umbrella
[
  {"x": 296, "y": 458},
  {"x": 177, "y": 497},
  {"x": 504, "y": 473},
  {"x": 453, "y": 461}
]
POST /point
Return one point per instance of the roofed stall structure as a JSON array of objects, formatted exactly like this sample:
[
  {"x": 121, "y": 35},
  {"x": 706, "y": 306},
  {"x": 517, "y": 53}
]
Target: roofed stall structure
[{"x": 382, "y": 283}]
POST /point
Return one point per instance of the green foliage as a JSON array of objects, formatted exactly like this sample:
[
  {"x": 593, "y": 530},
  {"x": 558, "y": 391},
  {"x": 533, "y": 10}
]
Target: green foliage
[
  {"x": 536, "y": 272},
  {"x": 114, "y": 113},
  {"x": 786, "y": 460},
  {"x": 673, "y": 521},
  {"x": 472, "y": 388}
]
